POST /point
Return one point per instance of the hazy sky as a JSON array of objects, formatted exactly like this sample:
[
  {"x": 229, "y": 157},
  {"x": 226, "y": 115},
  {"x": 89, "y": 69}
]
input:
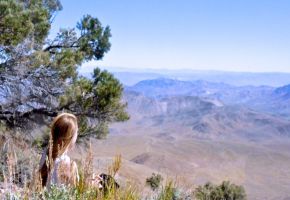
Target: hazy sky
[{"x": 231, "y": 35}]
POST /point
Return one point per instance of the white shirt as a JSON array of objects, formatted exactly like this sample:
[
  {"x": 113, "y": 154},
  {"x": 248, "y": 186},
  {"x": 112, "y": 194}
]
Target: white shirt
[{"x": 53, "y": 177}]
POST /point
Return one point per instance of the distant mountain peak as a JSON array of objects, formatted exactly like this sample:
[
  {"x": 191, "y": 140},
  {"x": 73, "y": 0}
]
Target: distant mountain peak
[
  {"x": 283, "y": 91},
  {"x": 159, "y": 82}
]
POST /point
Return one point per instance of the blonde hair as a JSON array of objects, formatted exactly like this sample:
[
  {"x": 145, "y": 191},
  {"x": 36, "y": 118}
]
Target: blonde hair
[{"x": 62, "y": 136}]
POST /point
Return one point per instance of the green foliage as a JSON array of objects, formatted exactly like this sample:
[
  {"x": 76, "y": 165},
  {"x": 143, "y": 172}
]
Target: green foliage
[
  {"x": 68, "y": 50},
  {"x": 154, "y": 181},
  {"x": 99, "y": 99},
  {"x": 57, "y": 192},
  {"x": 94, "y": 40},
  {"x": 68, "y": 193},
  {"x": 224, "y": 191},
  {"x": 3, "y": 128},
  {"x": 41, "y": 142},
  {"x": 24, "y": 25},
  {"x": 15, "y": 24},
  {"x": 22, "y": 19}
]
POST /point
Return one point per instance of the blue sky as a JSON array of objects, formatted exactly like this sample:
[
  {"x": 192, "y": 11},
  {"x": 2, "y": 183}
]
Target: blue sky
[{"x": 228, "y": 35}]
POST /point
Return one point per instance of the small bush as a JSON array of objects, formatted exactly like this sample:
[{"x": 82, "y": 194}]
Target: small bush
[
  {"x": 226, "y": 190},
  {"x": 56, "y": 193},
  {"x": 41, "y": 142},
  {"x": 154, "y": 181}
]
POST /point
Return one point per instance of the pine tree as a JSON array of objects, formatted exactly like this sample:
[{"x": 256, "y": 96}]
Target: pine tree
[{"x": 26, "y": 50}]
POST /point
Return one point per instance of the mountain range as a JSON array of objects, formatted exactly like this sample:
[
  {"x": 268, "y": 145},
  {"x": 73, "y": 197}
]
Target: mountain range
[{"x": 266, "y": 99}]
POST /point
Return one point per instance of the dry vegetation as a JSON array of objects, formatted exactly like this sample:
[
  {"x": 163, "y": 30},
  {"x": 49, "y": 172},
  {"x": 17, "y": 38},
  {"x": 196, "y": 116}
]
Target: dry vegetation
[{"x": 20, "y": 180}]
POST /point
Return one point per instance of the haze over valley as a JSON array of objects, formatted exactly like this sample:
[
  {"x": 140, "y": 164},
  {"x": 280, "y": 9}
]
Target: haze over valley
[{"x": 131, "y": 76}]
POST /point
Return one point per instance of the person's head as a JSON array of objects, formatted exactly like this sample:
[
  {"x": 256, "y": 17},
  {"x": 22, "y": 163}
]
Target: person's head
[{"x": 63, "y": 135}]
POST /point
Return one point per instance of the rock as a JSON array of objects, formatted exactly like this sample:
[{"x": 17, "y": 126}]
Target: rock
[{"x": 34, "y": 92}]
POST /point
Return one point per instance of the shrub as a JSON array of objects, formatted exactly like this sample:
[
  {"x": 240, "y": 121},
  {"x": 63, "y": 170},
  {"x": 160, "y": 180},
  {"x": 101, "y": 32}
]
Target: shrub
[
  {"x": 224, "y": 191},
  {"x": 154, "y": 181}
]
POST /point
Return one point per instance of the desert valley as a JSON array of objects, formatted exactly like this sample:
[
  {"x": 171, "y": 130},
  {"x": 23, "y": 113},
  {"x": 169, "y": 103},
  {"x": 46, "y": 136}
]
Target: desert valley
[{"x": 199, "y": 131}]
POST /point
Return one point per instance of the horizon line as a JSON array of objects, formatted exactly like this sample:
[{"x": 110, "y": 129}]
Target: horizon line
[{"x": 131, "y": 69}]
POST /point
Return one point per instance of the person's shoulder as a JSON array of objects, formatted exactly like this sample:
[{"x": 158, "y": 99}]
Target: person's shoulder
[
  {"x": 67, "y": 163},
  {"x": 68, "y": 171},
  {"x": 63, "y": 159},
  {"x": 63, "y": 166}
]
